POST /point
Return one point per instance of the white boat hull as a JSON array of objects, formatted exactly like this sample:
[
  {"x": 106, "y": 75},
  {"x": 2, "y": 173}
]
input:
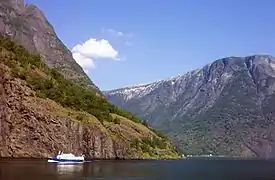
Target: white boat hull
[{"x": 64, "y": 161}]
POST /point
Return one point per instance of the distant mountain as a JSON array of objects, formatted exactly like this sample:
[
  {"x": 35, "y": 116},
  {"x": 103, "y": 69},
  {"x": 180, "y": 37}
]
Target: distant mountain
[
  {"x": 225, "y": 108},
  {"x": 27, "y": 25}
]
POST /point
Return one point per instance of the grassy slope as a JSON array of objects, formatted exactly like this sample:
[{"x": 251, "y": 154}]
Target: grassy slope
[{"x": 61, "y": 97}]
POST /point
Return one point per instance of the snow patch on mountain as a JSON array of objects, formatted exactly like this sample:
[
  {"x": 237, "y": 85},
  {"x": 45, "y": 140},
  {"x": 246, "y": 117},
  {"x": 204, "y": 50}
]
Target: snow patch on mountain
[{"x": 140, "y": 90}]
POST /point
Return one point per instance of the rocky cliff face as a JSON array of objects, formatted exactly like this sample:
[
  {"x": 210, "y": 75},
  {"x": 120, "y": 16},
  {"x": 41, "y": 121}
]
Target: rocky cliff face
[
  {"x": 27, "y": 25},
  {"x": 33, "y": 122},
  {"x": 32, "y": 127},
  {"x": 225, "y": 108}
]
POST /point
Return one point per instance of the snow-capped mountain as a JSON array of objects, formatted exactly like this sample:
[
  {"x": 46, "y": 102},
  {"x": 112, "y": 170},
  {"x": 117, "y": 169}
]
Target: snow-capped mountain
[
  {"x": 138, "y": 91},
  {"x": 226, "y": 107}
]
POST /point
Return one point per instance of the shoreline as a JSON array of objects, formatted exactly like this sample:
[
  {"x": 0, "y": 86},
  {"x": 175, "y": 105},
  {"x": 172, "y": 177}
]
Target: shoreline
[
  {"x": 94, "y": 159},
  {"x": 136, "y": 159}
]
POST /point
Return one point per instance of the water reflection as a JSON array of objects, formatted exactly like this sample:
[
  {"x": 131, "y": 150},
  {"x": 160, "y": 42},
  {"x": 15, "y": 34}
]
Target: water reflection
[
  {"x": 104, "y": 169},
  {"x": 68, "y": 169},
  {"x": 134, "y": 170},
  {"x": 121, "y": 169}
]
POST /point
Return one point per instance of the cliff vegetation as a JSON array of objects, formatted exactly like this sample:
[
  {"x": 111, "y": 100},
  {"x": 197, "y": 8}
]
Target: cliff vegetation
[{"x": 43, "y": 112}]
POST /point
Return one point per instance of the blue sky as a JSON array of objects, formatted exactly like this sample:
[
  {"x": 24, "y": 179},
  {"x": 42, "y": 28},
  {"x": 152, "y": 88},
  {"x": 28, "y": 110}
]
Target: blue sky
[{"x": 152, "y": 40}]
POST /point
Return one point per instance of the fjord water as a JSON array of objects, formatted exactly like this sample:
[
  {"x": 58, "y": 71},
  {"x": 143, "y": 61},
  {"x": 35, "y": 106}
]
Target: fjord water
[{"x": 192, "y": 169}]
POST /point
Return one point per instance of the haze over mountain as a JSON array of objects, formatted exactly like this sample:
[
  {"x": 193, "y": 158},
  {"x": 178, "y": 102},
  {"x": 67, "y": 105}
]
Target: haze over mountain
[{"x": 225, "y": 108}]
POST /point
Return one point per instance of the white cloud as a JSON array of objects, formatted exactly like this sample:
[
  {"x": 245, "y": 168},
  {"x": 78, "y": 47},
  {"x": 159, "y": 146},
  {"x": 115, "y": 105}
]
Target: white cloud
[{"x": 92, "y": 49}]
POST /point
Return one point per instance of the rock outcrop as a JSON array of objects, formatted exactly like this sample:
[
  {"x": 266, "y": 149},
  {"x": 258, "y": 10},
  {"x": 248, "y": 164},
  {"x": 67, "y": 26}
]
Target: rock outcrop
[
  {"x": 224, "y": 108},
  {"x": 32, "y": 127},
  {"x": 27, "y": 25}
]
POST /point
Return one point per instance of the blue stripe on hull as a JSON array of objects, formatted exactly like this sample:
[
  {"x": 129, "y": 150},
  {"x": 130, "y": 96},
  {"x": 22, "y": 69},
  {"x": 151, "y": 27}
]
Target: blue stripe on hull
[{"x": 65, "y": 160}]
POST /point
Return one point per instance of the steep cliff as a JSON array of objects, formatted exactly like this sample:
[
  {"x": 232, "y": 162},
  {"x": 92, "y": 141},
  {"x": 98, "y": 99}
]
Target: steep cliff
[
  {"x": 41, "y": 113},
  {"x": 225, "y": 108},
  {"x": 27, "y": 25}
]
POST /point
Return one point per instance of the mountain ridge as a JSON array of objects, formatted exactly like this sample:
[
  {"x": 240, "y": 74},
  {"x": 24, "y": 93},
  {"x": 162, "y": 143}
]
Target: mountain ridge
[
  {"x": 180, "y": 75},
  {"x": 203, "y": 99},
  {"x": 27, "y": 25}
]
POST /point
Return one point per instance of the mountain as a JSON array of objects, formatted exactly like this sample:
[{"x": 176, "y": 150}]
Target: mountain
[
  {"x": 48, "y": 104},
  {"x": 28, "y": 26},
  {"x": 41, "y": 112},
  {"x": 225, "y": 108}
]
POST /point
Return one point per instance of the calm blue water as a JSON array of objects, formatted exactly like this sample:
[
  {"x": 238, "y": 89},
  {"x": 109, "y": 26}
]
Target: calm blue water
[{"x": 136, "y": 170}]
